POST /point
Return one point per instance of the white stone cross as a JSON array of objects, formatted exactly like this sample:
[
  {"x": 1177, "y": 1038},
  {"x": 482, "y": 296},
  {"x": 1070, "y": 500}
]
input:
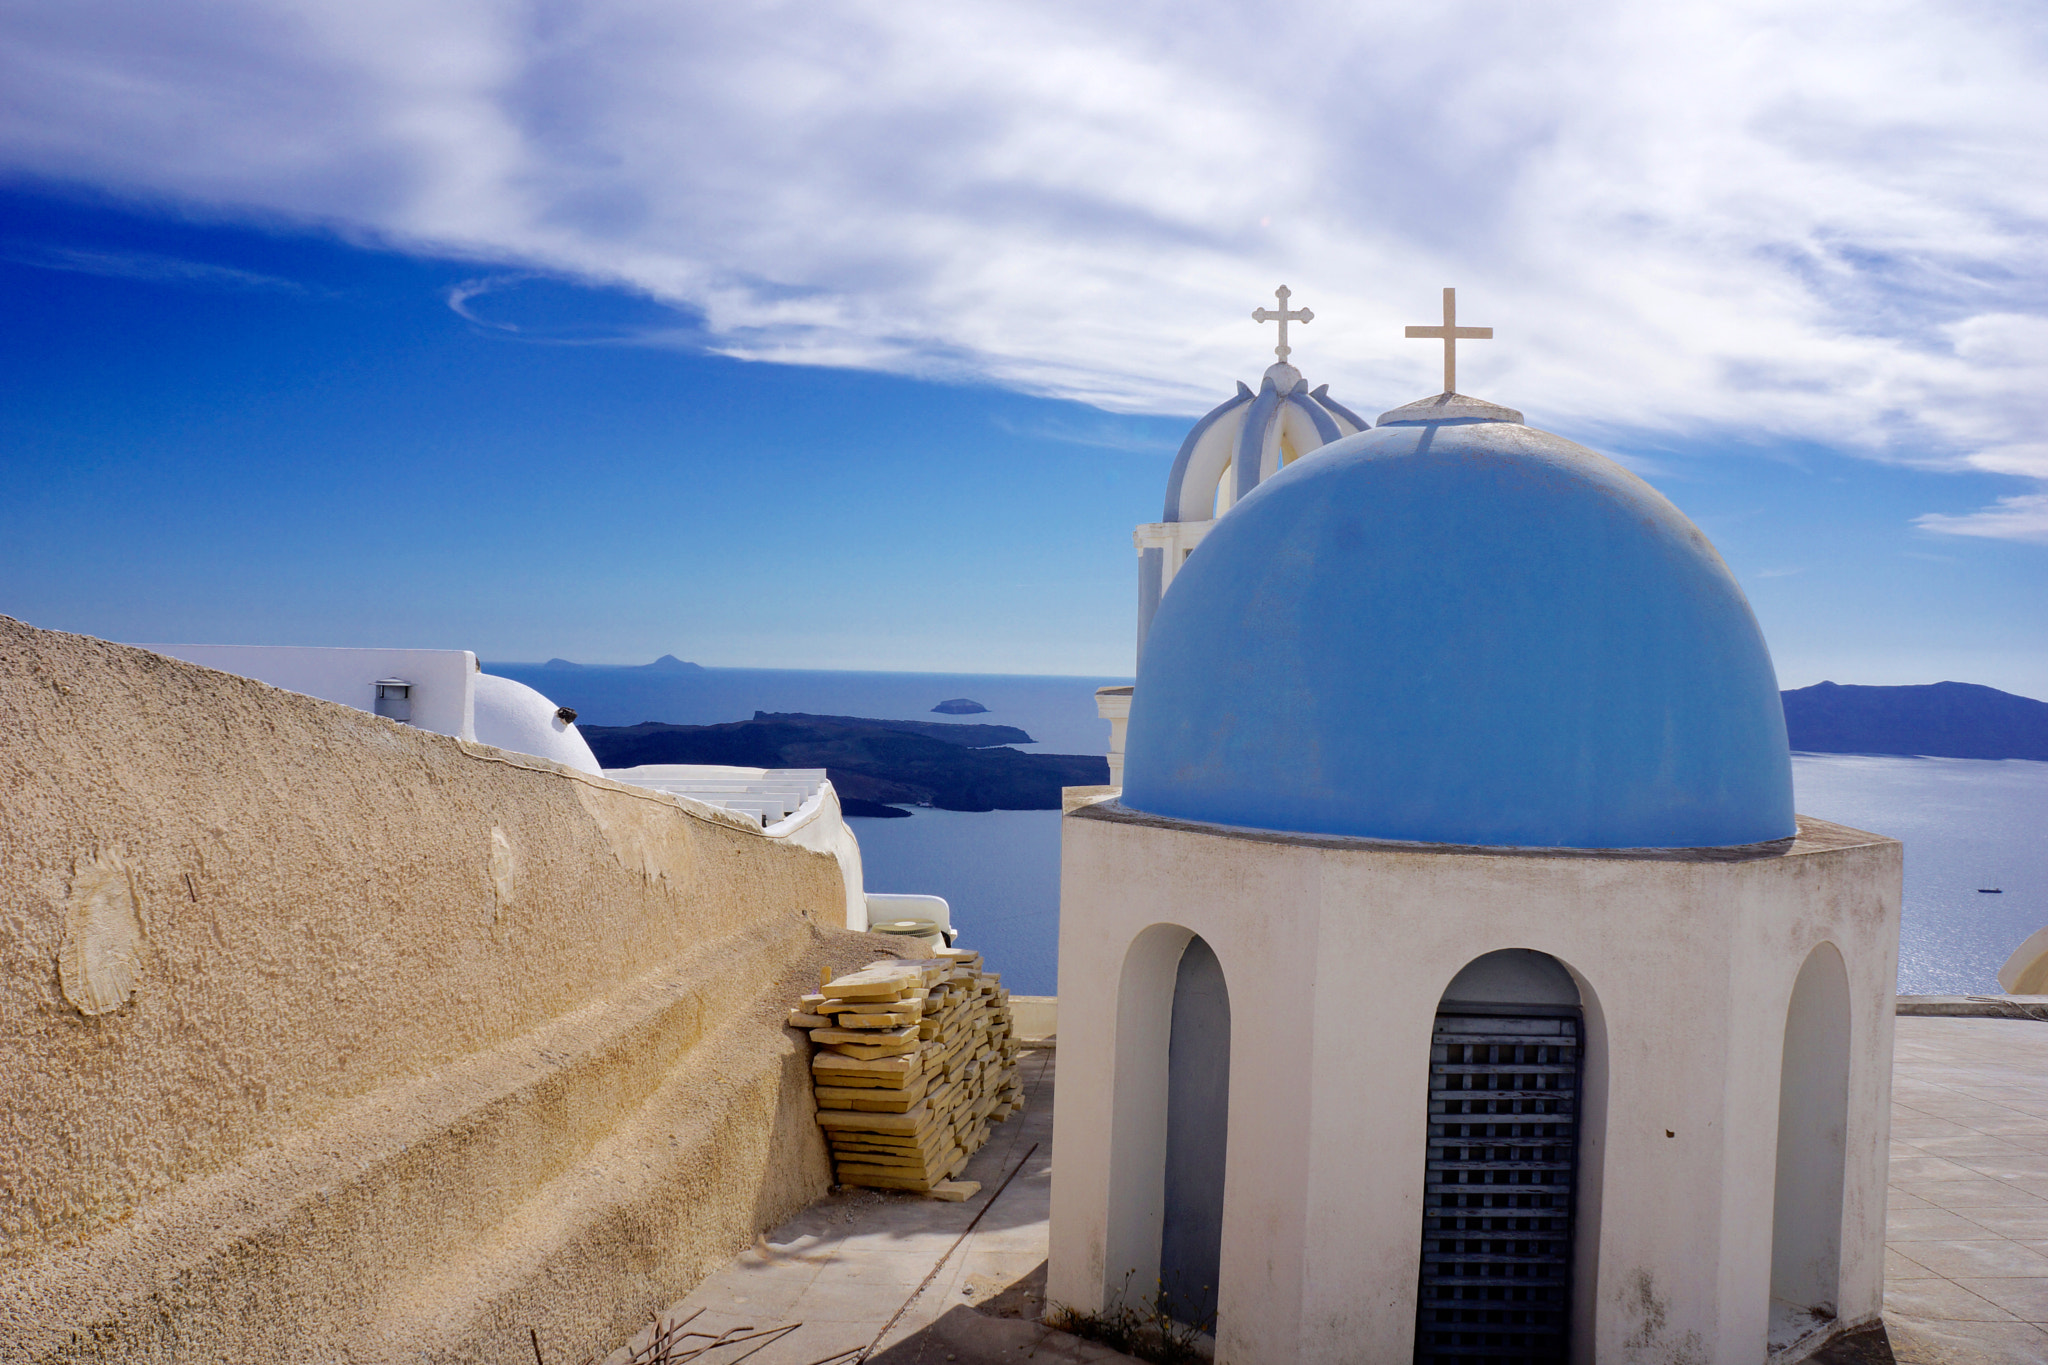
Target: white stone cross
[
  {"x": 1283, "y": 317},
  {"x": 1450, "y": 333}
]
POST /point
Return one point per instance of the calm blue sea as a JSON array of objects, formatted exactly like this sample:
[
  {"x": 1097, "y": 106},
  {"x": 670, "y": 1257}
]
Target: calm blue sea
[{"x": 1966, "y": 823}]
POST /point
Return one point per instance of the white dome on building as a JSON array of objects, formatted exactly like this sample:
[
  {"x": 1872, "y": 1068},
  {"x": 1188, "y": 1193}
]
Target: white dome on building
[{"x": 511, "y": 715}]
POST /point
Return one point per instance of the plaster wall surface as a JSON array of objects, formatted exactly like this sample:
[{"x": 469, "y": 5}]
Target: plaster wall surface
[
  {"x": 1339, "y": 950},
  {"x": 443, "y": 686},
  {"x": 329, "y": 1037}
]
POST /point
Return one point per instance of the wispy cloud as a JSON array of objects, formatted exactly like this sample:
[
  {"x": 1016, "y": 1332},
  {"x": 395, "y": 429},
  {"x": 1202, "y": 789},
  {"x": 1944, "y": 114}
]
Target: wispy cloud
[
  {"x": 459, "y": 295},
  {"x": 1787, "y": 220},
  {"x": 141, "y": 265},
  {"x": 2024, "y": 517},
  {"x": 1110, "y": 433}
]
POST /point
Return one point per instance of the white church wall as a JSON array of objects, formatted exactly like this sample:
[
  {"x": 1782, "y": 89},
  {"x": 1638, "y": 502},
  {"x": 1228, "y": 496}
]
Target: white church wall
[
  {"x": 1341, "y": 950},
  {"x": 1813, "y": 1104},
  {"x": 443, "y": 687}
]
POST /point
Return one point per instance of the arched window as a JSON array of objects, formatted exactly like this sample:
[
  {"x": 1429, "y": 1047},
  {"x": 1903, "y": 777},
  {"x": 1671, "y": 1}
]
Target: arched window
[
  {"x": 1501, "y": 1174},
  {"x": 1813, "y": 1126},
  {"x": 1197, "y": 1123},
  {"x": 1168, "y": 1141}
]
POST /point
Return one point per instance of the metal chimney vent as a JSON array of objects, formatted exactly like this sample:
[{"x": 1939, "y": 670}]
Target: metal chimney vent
[{"x": 394, "y": 699}]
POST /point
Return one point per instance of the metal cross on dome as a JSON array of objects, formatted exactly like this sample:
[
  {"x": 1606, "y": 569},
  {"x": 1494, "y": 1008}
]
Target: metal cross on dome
[
  {"x": 1451, "y": 333},
  {"x": 1283, "y": 317}
]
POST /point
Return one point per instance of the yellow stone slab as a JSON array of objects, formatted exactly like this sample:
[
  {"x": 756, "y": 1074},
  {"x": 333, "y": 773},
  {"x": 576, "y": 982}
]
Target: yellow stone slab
[
  {"x": 906, "y": 1065},
  {"x": 886, "y": 1085},
  {"x": 884, "y": 1182},
  {"x": 916, "y": 1120},
  {"x": 871, "y": 1101},
  {"x": 871, "y": 983},
  {"x": 866, "y": 1037},
  {"x": 849, "y": 1020}
]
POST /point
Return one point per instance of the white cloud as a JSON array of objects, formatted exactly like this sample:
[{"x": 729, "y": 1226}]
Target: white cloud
[
  {"x": 2018, "y": 518},
  {"x": 144, "y": 265},
  {"x": 1796, "y": 219}
]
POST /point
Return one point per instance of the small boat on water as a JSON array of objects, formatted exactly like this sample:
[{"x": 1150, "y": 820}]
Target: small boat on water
[{"x": 1990, "y": 891}]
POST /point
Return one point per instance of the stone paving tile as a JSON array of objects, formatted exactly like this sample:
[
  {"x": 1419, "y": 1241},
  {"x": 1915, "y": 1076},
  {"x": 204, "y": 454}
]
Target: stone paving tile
[
  {"x": 2024, "y": 1299},
  {"x": 1954, "y": 1260},
  {"x": 2028, "y": 1166},
  {"x": 847, "y": 1265},
  {"x": 1966, "y": 1259},
  {"x": 1931, "y": 1224},
  {"x": 2023, "y": 1127},
  {"x": 1943, "y": 1300},
  {"x": 1921, "y": 1167},
  {"x": 1973, "y": 1148},
  {"x": 1962, "y": 1195},
  {"x": 1909, "y": 1126},
  {"x": 2023, "y": 1223},
  {"x": 1925, "y": 1341},
  {"x": 1900, "y": 1265}
]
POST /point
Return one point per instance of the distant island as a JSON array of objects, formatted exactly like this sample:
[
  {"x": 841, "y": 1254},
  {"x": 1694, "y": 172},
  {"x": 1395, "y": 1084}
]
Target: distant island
[
  {"x": 960, "y": 706},
  {"x": 953, "y": 732},
  {"x": 868, "y": 760},
  {"x": 1934, "y": 720},
  {"x": 667, "y": 663}
]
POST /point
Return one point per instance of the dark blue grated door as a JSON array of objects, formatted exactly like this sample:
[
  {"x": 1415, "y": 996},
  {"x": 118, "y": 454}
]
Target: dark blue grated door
[{"x": 1497, "y": 1202}]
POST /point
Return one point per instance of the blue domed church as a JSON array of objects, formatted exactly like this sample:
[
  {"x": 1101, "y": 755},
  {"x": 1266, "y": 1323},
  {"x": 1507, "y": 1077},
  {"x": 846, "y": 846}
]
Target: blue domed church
[{"x": 1451, "y": 978}]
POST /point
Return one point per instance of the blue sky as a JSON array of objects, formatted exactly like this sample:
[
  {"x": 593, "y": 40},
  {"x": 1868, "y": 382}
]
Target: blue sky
[{"x": 862, "y": 341}]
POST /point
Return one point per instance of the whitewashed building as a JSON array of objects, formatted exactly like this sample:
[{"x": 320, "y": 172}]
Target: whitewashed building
[
  {"x": 1451, "y": 978},
  {"x": 442, "y": 690}
]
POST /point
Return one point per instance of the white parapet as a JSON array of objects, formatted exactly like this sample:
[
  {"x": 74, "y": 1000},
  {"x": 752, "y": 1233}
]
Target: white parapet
[
  {"x": 796, "y": 805},
  {"x": 438, "y": 685},
  {"x": 770, "y": 795},
  {"x": 1177, "y": 539},
  {"x": 1113, "y": 704}
]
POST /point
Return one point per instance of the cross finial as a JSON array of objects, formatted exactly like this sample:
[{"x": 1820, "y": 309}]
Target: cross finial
[
  {"x": 1283, "y": 317},
  {"x": 1451, "y": 333}
]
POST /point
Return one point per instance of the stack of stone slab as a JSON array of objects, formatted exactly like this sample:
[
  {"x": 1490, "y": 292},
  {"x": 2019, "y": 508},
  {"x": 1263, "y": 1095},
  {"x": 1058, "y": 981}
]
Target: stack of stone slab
[{"x": 914, "y": 1059}]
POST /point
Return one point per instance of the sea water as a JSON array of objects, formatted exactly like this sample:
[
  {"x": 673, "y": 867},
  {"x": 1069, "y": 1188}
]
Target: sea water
[
  {"x": 1970, "y": 826},
  {"x": 1966, "y": 823}
]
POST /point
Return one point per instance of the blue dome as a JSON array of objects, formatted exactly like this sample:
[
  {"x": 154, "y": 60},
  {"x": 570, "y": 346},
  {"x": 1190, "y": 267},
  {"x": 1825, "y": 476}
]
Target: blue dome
[{"x": 1466, "y": 632}]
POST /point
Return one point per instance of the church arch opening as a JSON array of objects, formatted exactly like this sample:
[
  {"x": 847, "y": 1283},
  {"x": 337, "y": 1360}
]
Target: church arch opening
[
  {"x": 1500, "y": 1187},
  {"x": 1813, "y": 1126},
  {"x": 1197, "y": 1123}
]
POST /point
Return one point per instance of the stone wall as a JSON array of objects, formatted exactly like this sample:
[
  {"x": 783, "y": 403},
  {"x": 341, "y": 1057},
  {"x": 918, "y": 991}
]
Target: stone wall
[{"x": 330, "y": 1038}]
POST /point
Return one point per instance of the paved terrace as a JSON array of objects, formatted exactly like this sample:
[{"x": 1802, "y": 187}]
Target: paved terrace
[
  {"x": 1966, "y": 1262},
  {"x": 1966, "y": 1243}
]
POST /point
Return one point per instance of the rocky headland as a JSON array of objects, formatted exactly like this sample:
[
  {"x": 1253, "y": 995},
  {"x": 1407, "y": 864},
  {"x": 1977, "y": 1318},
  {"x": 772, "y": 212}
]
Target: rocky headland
[
  {"x": 1933, "y": 720},
  {"x": 892, "y": 763}
]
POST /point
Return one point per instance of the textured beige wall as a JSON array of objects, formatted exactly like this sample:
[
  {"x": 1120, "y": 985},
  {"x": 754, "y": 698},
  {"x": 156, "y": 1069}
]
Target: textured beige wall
[{"x": 326, "y": 1036}]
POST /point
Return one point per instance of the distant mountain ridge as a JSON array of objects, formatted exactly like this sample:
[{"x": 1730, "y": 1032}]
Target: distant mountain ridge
[
  {"x": 1932, "y": 720},
  {"x": 667, "y": 663}
]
